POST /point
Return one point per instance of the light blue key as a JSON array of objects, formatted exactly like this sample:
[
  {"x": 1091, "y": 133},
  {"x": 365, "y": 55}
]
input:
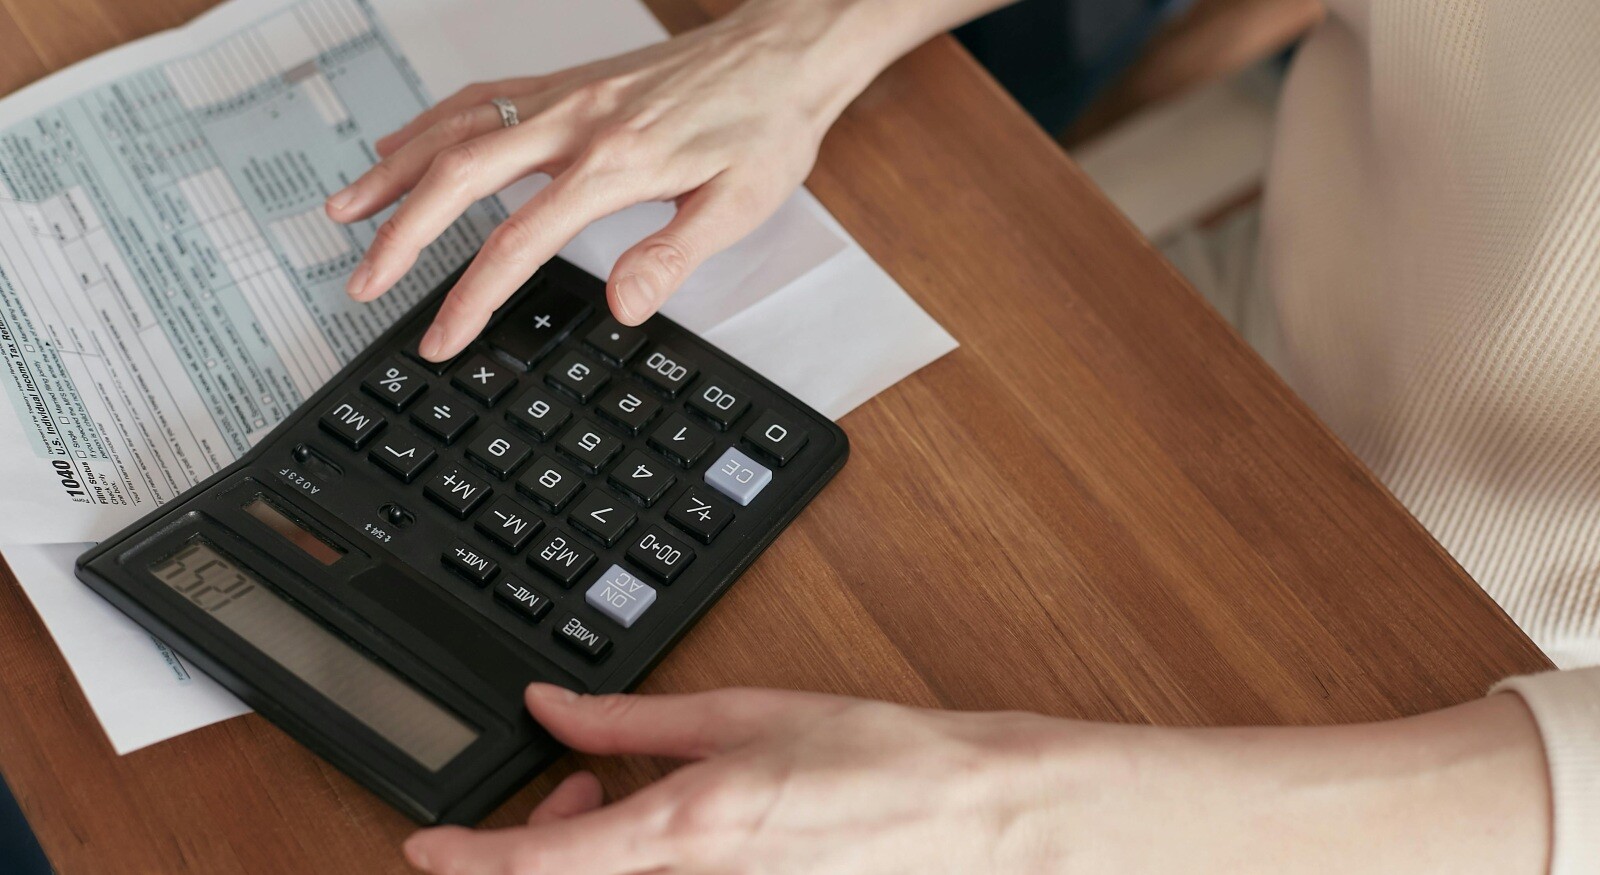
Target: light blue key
[
  {"x": 738, "y": 476},
  {"x": 620, "y": 596}
]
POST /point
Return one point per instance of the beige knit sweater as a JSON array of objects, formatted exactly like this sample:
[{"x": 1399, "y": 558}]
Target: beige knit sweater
[{"x": 1432, "y": 250}]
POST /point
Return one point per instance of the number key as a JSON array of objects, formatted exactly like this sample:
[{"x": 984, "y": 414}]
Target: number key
[
  {"x": 499, "y": 450},
  {"x": 632, "y": 410},
  {"x": 681, "y": 440},
  {"x": 718, "y": 402},
  {"x": 538, "y": 413},
  {"x": 587, "y": 443},
  {"x": 549, "y": 484},
  {"x": 602, "y": 516},
  {"x": 775, "y": 438},
  {"x": 575, "y": 374},
  {"x": 667, "y": 371},
  {"x": 642, "y": 477}
]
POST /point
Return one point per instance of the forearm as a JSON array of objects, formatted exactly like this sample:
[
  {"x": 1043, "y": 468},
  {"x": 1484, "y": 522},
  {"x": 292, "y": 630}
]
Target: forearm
[{"x": 1460, "y": 790}]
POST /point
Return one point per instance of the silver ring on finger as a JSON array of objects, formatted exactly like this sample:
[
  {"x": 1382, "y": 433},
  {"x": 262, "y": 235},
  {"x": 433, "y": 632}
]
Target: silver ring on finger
[{"x": 508, "y": 112}]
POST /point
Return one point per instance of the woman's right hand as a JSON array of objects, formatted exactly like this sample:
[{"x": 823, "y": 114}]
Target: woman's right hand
[{"x": 725, "y": 120}]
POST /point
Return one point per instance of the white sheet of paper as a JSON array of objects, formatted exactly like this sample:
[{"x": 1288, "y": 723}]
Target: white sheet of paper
[
  {"x": 140, "y": 690},
  {"x": 798, "y": 301}
]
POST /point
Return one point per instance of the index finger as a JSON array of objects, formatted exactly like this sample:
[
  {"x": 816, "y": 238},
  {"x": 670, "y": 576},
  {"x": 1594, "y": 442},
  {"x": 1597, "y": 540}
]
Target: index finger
[
  {"x": 687, "y": 726},
  {"x": 524, "y": 241}
]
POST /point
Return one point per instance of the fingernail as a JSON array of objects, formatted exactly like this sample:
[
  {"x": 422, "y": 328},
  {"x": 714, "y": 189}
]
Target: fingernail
[
  {"x": 342, "y": 198},
  {"x": 432, "y": 343},
  {"x": 552, "y": 693},
  {"x": 358, "y": 280},
  {"x": 635, "y": 298}
]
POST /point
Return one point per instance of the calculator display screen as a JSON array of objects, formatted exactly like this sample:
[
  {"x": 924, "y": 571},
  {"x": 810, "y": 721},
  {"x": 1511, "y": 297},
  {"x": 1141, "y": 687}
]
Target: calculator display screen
[{"x": 366, "y": 690}]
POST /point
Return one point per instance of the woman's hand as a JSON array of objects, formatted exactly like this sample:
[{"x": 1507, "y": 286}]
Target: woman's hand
[
  {"x": 725, "y": 120},
  {"x": 815, "y": 785}
]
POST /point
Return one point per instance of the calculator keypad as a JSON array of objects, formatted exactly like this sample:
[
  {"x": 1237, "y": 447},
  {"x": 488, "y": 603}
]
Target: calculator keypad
[{"x": 582, "y": 470}]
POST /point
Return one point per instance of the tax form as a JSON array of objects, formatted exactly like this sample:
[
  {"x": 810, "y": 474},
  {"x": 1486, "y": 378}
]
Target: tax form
[{"x": 170, "y": 287}]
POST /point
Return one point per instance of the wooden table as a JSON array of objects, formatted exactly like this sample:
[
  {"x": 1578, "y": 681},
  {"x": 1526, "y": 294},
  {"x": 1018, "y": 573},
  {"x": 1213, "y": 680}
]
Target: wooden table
[{"x": 1102, "y": 506}]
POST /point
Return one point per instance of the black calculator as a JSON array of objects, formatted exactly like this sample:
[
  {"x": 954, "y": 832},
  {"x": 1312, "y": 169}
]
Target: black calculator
[{"x": 385, "y": 572}]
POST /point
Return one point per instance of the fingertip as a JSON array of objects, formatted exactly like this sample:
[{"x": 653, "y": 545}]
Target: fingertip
[
  {"x": 539, "y": 693},
  {"x": 338, "y": 204},
  {"x": 422, "y": 848},
  {"x": 634, "y": 299},
  {"x": 433, "y": 343}
]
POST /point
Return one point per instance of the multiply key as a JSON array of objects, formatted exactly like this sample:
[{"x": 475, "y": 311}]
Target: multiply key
[
  {"x": 469, "y": 562},
  {"x": 484, "y": 378}
]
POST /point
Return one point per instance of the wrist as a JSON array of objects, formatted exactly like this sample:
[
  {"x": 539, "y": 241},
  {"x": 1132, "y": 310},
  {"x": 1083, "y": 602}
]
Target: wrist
[
  {"x": 840, "y": 46},
  {"x": 1463, "y": 789}
]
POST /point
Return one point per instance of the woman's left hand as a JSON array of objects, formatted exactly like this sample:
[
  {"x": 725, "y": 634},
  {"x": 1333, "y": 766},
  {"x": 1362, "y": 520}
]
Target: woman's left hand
[{"x": 802, "y": 783}]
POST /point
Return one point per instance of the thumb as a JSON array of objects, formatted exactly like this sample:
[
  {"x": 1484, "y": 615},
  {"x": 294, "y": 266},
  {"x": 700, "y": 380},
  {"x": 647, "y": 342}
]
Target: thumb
[
  {"x": 709, "y": 220},
  {"x": 691, "y": 726}
]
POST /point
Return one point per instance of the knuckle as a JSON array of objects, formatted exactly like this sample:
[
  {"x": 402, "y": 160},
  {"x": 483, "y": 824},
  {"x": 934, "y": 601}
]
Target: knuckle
[
  {"x": 614, "y": 150},
  {"x": 456, "y": 126},
  {"x": 598, "y": 95},
  {"x": 388, "y": 236},
  {"x": 710, "y": 806},
  {"x": 506, "y": 243},
  {"x": 672, "y": 255},
  {"x": 457, "y": 165}
]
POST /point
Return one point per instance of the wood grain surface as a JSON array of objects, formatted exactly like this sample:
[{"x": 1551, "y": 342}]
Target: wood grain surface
[{"x": 1102, "y": 506}]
